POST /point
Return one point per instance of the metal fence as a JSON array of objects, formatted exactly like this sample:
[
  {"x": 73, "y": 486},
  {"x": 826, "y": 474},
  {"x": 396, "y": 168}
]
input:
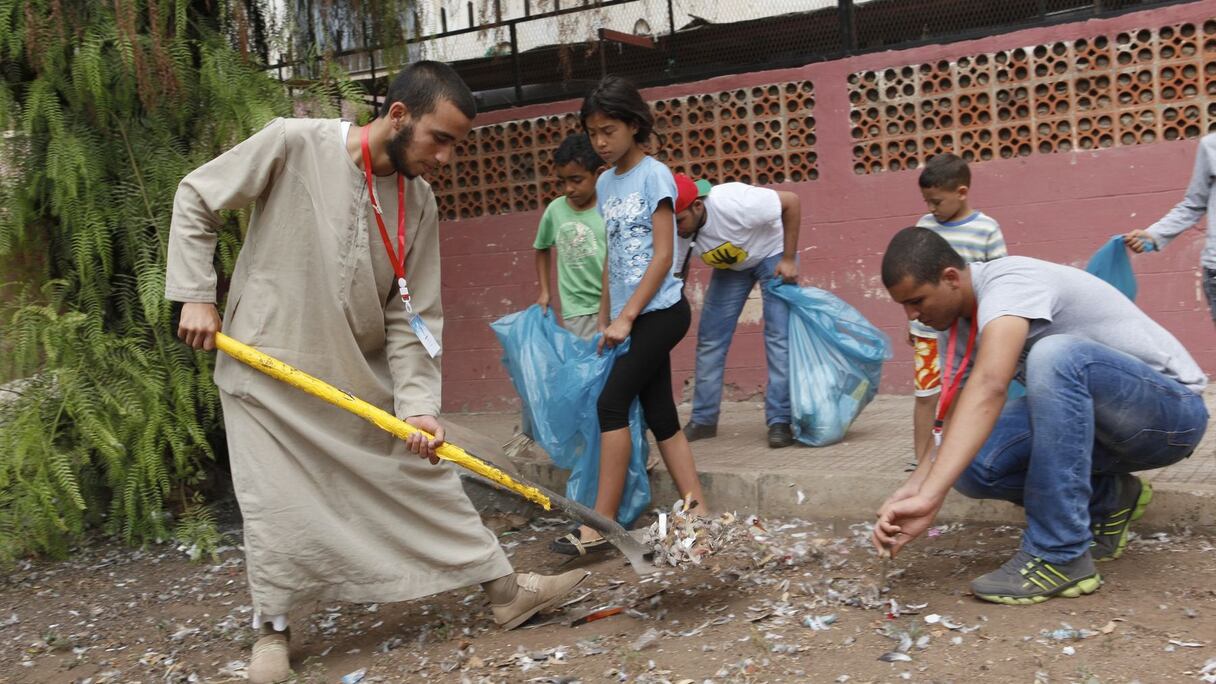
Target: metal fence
[{"x": 514, "y": 52}]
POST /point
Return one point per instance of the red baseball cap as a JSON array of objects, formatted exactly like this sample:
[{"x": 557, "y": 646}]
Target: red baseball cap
[{"x": 688, "y": 191}]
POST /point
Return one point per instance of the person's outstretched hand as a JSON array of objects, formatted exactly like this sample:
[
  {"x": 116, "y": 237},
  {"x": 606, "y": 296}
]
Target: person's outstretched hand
[
  {"x": 1139, "y": 240},
  {"x": 899, "y": 522}
]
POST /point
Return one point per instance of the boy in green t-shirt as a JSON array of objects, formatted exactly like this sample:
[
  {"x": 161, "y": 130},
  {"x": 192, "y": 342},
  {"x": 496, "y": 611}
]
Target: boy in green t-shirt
[{"x": 573, "y": 224}]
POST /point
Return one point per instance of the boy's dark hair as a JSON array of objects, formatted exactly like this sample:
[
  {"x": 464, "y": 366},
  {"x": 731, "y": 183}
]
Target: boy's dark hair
[
  {"x": 577, "y": 148},
  {"x": 945, "y": 171},
  {"x": 617, "y": 98},
  {"x": 422, "y": 85},
  {"x": 920, "y": 253}
]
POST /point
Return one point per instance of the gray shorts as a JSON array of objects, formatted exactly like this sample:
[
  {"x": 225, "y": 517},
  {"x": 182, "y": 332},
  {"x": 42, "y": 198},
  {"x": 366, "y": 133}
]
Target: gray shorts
[{"x": 583, "y": 326}]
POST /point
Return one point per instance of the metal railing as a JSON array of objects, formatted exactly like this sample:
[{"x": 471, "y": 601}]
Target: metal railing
[{"x": 561, "y": 52}]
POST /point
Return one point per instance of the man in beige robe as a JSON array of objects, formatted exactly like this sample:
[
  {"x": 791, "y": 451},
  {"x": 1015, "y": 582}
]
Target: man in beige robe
[{"x": 333, "y": 507}]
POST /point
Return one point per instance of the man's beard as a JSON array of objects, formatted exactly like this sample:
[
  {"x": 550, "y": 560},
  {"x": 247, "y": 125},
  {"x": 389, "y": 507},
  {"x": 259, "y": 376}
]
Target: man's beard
[{"x": 397, "y": 150}]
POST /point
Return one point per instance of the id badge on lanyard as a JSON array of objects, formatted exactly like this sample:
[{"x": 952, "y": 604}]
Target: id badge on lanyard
[
  {"x": 397, "y": 257},
  {"x": 950, "y": 386}
]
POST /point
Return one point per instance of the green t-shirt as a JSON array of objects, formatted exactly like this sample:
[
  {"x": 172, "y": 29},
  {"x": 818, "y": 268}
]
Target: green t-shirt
[{"x": 579, "y": 236}]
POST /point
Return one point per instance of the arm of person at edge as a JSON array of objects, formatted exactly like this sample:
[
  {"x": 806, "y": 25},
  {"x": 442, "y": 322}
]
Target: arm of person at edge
[
  {"x": 1184, "y": 214},
  {"x": 979, "y": 405},
  {"x": 543, "y": 260},
  {"x": 663, "y": 230},
  {"x": 791, "y": 219}
]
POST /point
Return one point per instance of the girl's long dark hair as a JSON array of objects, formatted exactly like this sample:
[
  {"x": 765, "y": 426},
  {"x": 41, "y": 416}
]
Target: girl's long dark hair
[{"x": 617, "y": 98}]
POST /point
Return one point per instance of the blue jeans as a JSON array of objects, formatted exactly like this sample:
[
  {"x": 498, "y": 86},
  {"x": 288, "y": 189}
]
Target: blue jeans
[
  {"x": 724, "y": 301},
  {"x": 1209, "y": 289},
  {"x": 1091, "y": 415}
]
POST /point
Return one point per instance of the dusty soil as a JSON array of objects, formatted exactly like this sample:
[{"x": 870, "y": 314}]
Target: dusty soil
[{"x": 113, "y": 614}]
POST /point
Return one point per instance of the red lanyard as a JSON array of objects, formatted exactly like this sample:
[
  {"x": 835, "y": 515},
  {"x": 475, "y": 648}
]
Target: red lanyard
[
  {"x": 950, "y": 389},
  {"x": 396, "y": 258}
]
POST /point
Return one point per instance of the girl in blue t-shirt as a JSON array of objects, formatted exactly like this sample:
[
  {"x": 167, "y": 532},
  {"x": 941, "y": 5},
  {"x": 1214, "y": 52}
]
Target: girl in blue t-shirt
[{"x": 642, "y": 300}]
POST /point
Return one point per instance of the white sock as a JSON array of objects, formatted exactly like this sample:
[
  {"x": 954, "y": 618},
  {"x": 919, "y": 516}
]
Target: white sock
[{"x": 276, "y": 622}]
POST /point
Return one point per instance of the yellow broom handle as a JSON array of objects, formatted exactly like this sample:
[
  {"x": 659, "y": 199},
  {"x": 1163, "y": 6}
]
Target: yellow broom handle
[{"x": 386, "y": 421}]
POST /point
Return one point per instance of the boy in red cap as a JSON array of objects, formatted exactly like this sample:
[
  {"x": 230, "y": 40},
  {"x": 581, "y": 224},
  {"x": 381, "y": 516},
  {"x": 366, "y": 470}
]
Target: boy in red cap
[{"x": 748, "y": 234}]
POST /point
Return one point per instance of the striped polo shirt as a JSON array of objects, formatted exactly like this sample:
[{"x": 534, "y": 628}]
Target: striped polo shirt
[{"x": 976, "y": 238}]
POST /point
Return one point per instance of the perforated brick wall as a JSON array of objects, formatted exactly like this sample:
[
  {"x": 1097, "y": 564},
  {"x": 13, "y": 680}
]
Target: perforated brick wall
[
  {"x": 1111, "y": 92},
  {"x": 1126, "y": 88},
  {"x": 762, "y": 134}
]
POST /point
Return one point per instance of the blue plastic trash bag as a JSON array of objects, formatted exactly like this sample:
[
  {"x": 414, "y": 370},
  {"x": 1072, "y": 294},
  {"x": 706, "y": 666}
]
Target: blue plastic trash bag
[
  {"x": 558, "y": 376},
  {"x": 1111, "y": 263},
  {"x": 836, "y": 359}
]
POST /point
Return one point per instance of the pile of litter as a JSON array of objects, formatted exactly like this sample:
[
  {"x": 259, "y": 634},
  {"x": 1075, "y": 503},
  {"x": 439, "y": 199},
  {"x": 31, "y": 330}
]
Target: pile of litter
[{"x": 682, "y": 537}]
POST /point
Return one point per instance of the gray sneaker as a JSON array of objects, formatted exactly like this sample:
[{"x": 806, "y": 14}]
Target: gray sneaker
[
  {"x": 1024, "y": 580},
  {"x": 694, "y": 431},
  {"x": 1110, "y": 531}
]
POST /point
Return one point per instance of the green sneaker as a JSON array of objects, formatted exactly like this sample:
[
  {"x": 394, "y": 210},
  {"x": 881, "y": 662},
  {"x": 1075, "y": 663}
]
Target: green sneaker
[
  {"x": 1024, "y": 580},
  {"x": 1110, "y": 533}
]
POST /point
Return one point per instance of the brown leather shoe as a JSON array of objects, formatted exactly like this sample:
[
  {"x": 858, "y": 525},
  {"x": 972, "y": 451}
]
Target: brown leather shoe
[
  {"x": 534, "y": 594},
  {"x": 269, "y": 664}
]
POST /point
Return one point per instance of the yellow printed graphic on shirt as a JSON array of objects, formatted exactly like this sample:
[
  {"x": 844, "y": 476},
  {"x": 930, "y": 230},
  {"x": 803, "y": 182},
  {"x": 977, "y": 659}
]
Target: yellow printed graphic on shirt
[{"x": 724, "y": 255}]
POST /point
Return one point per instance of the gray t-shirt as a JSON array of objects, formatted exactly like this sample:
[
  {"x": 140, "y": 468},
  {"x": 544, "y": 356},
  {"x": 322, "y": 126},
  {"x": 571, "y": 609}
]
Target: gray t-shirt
[
  {"x": 1061, "y": 300},
  {"x": 1199, "y": 200}
]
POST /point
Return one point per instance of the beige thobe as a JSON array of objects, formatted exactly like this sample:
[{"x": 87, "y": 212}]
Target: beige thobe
[{"x": 334, "y": 508}]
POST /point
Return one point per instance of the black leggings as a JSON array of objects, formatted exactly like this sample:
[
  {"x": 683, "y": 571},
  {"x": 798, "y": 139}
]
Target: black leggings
[{"x": 645, "y": 372}]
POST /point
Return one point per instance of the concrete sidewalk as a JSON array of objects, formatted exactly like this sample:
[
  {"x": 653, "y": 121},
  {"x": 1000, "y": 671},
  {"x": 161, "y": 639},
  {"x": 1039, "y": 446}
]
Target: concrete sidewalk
[{"x": 850, "y": 479}]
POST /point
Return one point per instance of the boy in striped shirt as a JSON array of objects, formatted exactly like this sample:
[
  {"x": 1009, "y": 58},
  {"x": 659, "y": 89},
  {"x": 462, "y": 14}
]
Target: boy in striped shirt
[{"x": 945, "y": 184}]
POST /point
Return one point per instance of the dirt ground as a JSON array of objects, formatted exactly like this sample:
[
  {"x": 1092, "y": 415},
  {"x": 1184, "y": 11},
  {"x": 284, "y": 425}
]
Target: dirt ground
[{"x": 115, "y": 614}]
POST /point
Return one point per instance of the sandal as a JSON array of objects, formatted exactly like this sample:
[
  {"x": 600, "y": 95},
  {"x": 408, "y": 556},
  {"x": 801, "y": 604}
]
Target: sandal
[{"x": 572, "y": 545}]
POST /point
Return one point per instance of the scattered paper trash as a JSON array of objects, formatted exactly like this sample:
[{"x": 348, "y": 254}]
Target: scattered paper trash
[
  {"x": 354, "y": 677},
  {"x": 1208, "y": 673},
  {"x": 949, "y": 623},
  {"x": 1066, "y": 632},
  {"x": 819, "y": 624},
  {"x": 895, "y": 657},
  {"x": 649, "y": 638}
]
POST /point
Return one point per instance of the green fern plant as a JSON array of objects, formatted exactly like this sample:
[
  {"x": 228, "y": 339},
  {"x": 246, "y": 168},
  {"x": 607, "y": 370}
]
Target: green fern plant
[
  {"x": 197, "y": 528},
  {"x": 114, "y": 423}
]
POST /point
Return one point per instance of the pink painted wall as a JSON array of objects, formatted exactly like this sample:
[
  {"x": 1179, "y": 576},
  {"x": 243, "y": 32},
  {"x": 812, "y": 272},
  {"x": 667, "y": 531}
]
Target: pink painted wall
[{"x": 1059, "y": 207}]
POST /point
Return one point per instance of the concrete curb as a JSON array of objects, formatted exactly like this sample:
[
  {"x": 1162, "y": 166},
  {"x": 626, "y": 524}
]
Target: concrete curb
[{"x": 856, "y": 496}]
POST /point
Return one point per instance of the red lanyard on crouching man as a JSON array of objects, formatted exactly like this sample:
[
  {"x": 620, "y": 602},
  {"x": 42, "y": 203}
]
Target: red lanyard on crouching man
[{"x": 950, "y": 386}]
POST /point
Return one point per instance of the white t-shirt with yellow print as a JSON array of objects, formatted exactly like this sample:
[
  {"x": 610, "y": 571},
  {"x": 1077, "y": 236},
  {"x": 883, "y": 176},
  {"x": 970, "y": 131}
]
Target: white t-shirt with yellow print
[{"x": 742, "y": 227}]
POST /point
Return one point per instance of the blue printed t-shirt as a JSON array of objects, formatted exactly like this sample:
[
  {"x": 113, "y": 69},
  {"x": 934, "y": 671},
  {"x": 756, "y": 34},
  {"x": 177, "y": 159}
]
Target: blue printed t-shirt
[{"x": 628, "y": 202}]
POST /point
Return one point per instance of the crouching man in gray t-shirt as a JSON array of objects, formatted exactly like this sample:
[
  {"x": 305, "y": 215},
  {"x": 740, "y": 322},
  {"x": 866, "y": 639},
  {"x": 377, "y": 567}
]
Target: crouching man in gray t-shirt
[{"x": 1108, "y": 392}]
